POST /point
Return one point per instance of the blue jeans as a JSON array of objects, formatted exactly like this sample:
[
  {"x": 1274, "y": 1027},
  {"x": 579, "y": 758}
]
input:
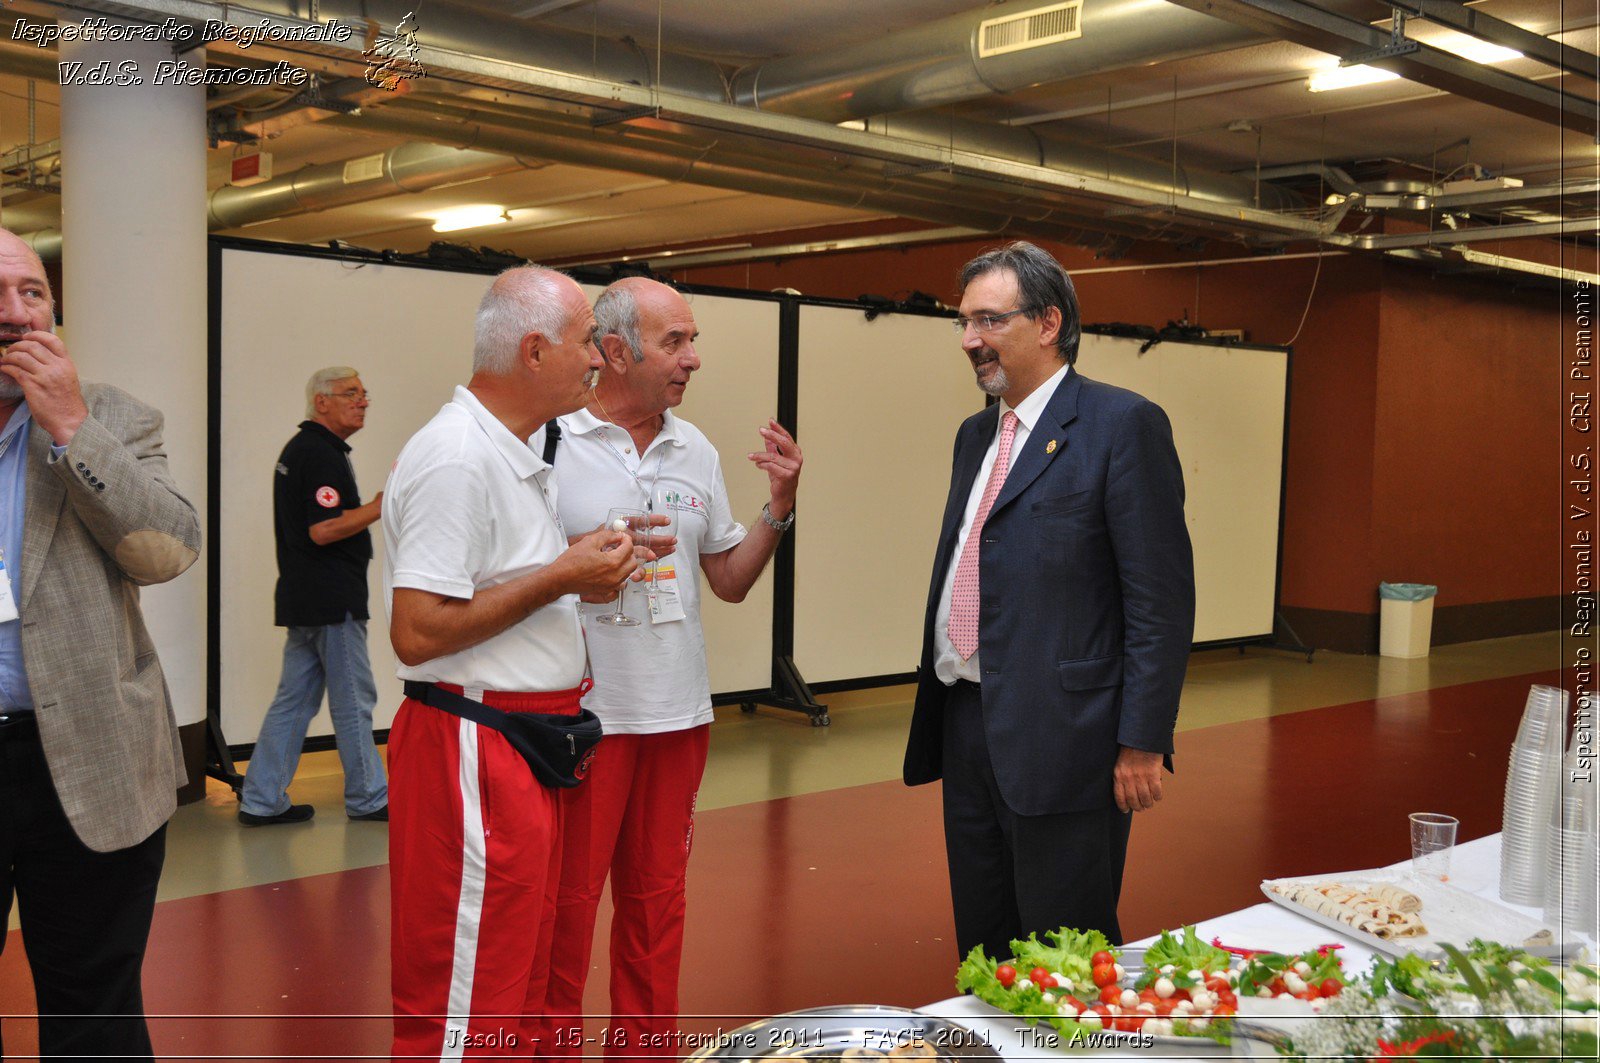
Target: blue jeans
[{"x": 332, "y": 656}]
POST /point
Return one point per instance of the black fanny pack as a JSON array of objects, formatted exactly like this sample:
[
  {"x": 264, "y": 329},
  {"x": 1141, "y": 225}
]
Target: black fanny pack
[{"x": 558, "y": 748}]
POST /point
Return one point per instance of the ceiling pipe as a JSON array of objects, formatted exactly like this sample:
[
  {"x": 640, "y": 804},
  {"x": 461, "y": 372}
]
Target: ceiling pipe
[
  {"x": 46, "y": 243},
  {"x": 405, "y": 168},
  {"x": 1111, "y": 29},
  {"x": 458, "y": 27},
  {"x": 703, "y": 166},
  {"x": 1027, "y": 145},
  {"x": 941, "y": 62}
]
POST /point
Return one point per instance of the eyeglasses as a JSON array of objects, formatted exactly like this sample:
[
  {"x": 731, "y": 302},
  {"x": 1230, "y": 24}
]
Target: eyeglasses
[
  {"x": 353, "y": 395},
  {"x": 988, "y": 322}
]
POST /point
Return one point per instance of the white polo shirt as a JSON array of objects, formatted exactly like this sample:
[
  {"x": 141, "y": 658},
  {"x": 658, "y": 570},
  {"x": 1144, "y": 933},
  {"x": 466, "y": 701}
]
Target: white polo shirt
[
  {"x": 468, "y": 506},
  {"x": 653, "y": 677}
]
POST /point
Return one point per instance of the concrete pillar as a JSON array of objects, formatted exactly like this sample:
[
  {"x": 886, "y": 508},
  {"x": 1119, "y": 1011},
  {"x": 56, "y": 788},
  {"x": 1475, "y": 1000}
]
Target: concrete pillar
[{"x": 134, "y": 274}]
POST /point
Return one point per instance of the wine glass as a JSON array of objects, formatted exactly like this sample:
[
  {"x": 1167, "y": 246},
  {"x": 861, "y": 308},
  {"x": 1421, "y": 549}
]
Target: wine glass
[
  {"x": 656, "y": 535},
  {"x": 634, "y": 522}
]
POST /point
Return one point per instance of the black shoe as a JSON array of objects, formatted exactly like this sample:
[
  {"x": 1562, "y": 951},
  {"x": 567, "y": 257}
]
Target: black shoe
[
  {"x": 377, "y": 815},
  {"x": 292, "y": 814}
]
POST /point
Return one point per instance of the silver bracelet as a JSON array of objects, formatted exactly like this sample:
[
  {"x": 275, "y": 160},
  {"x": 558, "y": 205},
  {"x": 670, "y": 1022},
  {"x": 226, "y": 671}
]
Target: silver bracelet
[{"x": 779, "y": 526}]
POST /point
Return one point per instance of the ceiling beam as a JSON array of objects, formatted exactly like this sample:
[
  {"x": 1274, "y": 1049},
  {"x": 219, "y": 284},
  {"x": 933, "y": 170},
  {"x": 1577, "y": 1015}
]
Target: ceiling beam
[
  {"x": 1476, "y": 23},
  {"x": 1451, "y": 237},
  {"x": 1315, "y": 27}
]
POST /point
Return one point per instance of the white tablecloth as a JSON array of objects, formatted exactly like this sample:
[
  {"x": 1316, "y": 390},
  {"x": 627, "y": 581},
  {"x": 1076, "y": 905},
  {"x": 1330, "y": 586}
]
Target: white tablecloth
[{"x": 1474, "y": 867}]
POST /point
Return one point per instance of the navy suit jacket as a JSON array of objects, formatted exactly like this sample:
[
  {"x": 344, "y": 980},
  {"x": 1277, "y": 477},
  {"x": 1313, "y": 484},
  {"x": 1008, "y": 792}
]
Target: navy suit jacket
[{"x": 1086, "y": 599}]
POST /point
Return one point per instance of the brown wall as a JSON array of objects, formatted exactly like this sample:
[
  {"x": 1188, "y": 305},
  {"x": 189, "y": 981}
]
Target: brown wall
[{"x": 1424, "y": 416}]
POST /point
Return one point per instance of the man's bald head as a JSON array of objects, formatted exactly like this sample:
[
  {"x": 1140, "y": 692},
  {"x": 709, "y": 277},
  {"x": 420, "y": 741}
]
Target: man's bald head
[
  {"x": 521, "y": 300},
  {"x": 617, "y": 309}
]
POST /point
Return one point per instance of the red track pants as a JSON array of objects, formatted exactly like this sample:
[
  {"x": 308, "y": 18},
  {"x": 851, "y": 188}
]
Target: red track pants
[
  {"x": 474, "y": 859},
  {"x": 634, "y": 818}
]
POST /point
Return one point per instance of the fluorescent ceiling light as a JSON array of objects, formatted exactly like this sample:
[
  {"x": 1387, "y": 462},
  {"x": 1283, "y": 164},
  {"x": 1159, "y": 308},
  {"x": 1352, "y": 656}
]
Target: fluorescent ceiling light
[
  {"x": 1522, "y": 265},
  {"x": 1472, "y": 48},
  {"x": 474, "y": 217},
  {"x": 1344, "y": 77}
]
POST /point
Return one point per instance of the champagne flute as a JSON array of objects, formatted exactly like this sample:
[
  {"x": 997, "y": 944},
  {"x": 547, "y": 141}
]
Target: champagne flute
[{"x": 630, "y": 521}]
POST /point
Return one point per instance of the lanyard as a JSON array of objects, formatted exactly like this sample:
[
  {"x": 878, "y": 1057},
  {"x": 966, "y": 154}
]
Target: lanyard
[{"x": 661, "y": 457}]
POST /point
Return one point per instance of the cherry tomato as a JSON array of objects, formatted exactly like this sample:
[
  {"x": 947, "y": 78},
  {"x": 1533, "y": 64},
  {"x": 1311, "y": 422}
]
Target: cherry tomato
[
  {"x": 1102, "y": 1011},
  {"x": 1217, "y": 984},
  {"x": 1224, "y": 1009},
  {"x": 1104, "y": 974},
  {"x": 1101, "y": 957},
  {"x": 1229, "y": 997},
  {"x": 1164, "y": 1007},
  {"x": 1077, "y": 1005},
  {"x": 1331, "y": 987},
  {"x": 1005, "y": 974},
  {"x": 1037, "y": 975},
  {"x": 1277, "y": 987},
  {"x": 1148, "y": 994},
  {"x": 1130, "y": 1023},
  {"x": 1181, "y": 994},
  {"x": 1047, "y": 982},
  {"x": 1110, "y": 994}
]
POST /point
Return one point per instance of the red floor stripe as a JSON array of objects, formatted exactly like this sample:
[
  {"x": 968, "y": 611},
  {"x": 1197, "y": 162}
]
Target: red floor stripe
[{"x": 840, "y": 896}]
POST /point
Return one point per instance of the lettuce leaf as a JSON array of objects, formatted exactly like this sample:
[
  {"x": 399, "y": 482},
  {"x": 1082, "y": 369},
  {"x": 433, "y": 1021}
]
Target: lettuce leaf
[{"x": 1188, "y": 953}]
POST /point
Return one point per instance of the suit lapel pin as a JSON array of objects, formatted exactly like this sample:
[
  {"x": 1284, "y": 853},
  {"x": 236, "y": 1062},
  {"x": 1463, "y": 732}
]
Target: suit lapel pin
[{"x": 1050, "y": 447}]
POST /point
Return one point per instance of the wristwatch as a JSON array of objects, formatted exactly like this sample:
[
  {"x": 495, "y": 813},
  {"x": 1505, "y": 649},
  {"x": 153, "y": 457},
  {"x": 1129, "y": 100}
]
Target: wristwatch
[{"x": 779, "y": 526}]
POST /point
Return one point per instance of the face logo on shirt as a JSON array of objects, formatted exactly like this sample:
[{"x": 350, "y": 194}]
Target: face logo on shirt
[
  {"x": 680, "y": 501},
  {"x": 327, "y": 497}
]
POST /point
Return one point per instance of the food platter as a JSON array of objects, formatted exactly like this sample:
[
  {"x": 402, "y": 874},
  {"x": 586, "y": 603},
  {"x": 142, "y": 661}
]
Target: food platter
[
  {"x": 854, "y": 1033},
  {"x": 1451, "y": 916}
]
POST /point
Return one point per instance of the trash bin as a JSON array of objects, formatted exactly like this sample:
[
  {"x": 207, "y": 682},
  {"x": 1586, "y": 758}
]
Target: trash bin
[{"x": 1405, "y": 619}]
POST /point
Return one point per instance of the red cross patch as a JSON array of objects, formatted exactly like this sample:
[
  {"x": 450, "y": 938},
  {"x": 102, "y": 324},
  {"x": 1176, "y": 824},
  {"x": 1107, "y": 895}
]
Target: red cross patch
[{"x": 327, "y": 497}]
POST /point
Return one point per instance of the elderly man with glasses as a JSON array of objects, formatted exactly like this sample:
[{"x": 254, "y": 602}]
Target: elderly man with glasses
[{"x": 323, "y": 549}]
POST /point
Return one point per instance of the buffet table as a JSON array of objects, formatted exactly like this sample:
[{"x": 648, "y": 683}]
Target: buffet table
[{"x": 1474, "y": 867}]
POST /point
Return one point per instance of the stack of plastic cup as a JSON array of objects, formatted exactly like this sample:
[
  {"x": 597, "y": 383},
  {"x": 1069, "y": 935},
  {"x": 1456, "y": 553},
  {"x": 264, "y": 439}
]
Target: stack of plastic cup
[
  {"x": 1569, "y": 885},
  {"x": 1531, "y": 789}
]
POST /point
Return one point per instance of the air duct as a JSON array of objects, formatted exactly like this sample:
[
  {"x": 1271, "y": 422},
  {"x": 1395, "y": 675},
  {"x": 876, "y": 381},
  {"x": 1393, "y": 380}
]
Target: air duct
[
  {"x": 718, "y": 169},
  {"x": 46, "y": 243},
  {"x": 406, "y": 168},
  {"x": 998, "y": 48}
]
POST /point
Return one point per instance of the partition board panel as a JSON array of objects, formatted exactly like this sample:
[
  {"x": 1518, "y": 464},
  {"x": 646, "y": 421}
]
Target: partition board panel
[
  {"x": 1227, "y": 411},
  {"x": 409, "y": 333},
  {"x": 879, "y": 404}
]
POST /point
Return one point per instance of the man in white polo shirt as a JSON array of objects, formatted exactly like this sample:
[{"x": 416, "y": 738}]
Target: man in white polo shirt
[
  {"x": 633, "y": 817},
  {"x": 482, "y": 589}
]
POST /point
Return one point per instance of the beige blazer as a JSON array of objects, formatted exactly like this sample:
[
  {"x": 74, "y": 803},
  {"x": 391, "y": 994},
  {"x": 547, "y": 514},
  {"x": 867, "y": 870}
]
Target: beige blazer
[{"x": 102, "y": 521}]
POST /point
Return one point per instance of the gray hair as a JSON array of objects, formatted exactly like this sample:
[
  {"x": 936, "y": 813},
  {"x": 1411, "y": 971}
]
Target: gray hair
[
  {"x": 616, "y": 313},
  {"x": 321, "y": 383},
  {"x": 521, "y": 300},
  {"x": 1041, "y": 284}
]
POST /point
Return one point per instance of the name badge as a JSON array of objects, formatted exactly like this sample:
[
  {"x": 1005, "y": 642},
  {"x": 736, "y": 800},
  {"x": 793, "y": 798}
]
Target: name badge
[{"x": 661, "y": 593}]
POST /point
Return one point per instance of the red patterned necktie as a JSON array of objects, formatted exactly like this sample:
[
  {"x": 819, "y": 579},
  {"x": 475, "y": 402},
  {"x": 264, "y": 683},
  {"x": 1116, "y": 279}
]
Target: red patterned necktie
[{"x": 964, "y": 592}]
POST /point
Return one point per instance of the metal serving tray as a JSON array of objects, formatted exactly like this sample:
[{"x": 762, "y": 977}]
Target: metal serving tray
[{"x": 1452, "y": 916}]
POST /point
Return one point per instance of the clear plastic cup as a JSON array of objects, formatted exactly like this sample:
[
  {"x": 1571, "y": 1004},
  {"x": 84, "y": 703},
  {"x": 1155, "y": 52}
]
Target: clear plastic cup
[{"x": 1433, "y": 836}]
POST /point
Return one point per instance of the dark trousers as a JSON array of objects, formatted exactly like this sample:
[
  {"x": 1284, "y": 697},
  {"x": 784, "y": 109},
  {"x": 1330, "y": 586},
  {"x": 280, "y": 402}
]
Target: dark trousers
[
  {"x": 85, "y": 915},
  {"x": 1012, "y": 875}
]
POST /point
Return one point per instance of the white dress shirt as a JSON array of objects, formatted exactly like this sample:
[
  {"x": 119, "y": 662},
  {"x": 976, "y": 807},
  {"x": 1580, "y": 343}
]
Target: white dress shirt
[{"x": 947, "y": 663}]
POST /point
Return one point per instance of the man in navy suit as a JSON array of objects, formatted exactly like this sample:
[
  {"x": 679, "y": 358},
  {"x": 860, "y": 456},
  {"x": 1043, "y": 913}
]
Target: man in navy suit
[{"x": 1059, "y": 618}]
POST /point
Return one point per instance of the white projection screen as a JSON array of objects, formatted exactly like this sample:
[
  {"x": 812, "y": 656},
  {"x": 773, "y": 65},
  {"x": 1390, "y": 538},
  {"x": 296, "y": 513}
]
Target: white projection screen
[
  {"x": 879, "y": 405},
  {"x": 409, "y": 332}
]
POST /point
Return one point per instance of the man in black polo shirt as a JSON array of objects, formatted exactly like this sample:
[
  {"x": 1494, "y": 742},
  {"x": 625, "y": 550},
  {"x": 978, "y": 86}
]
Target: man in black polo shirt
[{"x": 323, "y": 550}]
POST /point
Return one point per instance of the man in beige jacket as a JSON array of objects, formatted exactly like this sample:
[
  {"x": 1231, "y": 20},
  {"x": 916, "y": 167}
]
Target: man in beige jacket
[{"x": 89, "y": 755}]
